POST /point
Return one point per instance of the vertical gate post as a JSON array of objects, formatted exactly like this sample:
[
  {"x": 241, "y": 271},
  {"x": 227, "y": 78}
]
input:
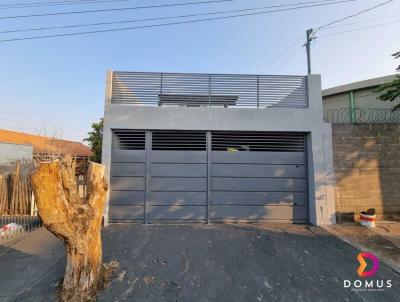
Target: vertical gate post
[
  {"x": 147, "y": 175},
  {"x": 208, "y": 143},
  {"x": 258, "y": 91},
  {"x": 209, "y": 90},
  {"x": 107, "y": 140}
]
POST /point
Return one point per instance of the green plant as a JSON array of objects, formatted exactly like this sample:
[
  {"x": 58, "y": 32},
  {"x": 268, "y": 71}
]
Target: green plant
[
  {"x": 390, "y": 92},
  {"x": 95, "y": 140}
]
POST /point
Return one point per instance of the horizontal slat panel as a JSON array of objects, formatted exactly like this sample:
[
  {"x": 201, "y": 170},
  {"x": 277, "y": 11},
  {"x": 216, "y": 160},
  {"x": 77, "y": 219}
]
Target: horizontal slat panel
[
  {"x": 126, "y": 156},
  {"x": 258, "y": 157},
  {"x": 255, "y": 170},
  {"x": 126, "y": 197},
  {"x": 258, "y": 184},
  {"x": 178, "y": 184},
  {"x": 128, "y": 139},
  {"x": 179, "y": 170},
  {"x": 259, "y": 212},
  {"x": 179, "y": 140},
  {"x": 257, "y": 141},
  {"x": 178, "y": 156},
  {"x": 176, "y": 212},
  {"x": 126, "y": 213},
  {"x": 127, "y": 183},
  {"x": 128, "y": 169},
  {"x": 189, "y": 89},
  {"x": 177, "y": 198},
  {"x": 258, "y": 198}
]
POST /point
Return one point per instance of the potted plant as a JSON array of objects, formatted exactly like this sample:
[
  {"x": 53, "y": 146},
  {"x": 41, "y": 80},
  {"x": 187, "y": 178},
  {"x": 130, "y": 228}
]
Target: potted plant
[{"x": 368, "y": 218}]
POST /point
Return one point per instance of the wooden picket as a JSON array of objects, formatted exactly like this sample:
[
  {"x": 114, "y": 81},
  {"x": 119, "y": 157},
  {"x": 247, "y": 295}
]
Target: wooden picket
[{"x": 15, "y": 194}]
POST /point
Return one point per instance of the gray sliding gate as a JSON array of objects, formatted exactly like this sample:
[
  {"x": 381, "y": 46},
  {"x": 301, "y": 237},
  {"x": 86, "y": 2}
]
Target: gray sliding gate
[{"x": 159, "y": 176}]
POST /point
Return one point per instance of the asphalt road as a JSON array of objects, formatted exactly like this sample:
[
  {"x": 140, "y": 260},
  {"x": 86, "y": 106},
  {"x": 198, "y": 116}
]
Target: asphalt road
[{"x": 203, "y": 263}]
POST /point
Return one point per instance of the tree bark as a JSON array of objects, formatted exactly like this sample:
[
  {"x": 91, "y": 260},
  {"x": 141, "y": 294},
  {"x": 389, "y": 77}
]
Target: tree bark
[{"x": 76, "y": 221}]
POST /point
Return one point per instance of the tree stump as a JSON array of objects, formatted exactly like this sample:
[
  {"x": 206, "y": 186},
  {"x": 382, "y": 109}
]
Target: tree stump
[{"x": 76, "y": 221}]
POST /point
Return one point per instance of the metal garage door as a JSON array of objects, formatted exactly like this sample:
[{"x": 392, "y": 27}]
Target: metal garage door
[
  {"x": 258, "y": 175},
  {"x": 128, "y": 176},
  {"x": 159, "y": 176},
  {"x": 178, "y": 171}
]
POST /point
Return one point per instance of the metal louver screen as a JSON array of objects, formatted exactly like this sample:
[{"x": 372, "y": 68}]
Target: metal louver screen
[
  {"x": 200, "y": 90},
  {"x": 129, "y": 140},
  {"x": 179, "y": 140},
  {"x": 257, "y": 141}
]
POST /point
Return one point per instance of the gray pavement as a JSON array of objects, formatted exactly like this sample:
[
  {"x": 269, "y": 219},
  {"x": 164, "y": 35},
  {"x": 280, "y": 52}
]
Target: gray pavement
[{"x": 201, "y": 263}]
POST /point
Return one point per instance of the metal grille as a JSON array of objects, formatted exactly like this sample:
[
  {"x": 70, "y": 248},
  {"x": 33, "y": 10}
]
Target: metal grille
[
  {"x": 257, "y": 141},
  {"x": 209, "y": 90},
  {"x": 129, "y": 140},
  {"x": 179, "y": 140}
]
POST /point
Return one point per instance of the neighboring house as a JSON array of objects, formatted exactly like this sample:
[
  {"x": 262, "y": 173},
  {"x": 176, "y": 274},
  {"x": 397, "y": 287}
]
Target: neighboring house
[
  {"x": 214, "y": 147},
  {"x": 45, "y": 148},
  {"x": 11, "y": 152},
  {"x": 358, "y": 103}
]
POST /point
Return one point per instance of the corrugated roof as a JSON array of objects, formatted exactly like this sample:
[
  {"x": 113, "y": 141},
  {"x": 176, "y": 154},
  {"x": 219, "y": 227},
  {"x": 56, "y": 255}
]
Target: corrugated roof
[{"x": 43, "y": 144}]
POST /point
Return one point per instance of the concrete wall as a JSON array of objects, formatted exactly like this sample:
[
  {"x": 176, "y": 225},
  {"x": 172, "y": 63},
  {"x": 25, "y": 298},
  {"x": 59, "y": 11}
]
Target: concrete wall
[
  {"x": 13, "y": 152},
  {"x": 308, "y": 120},
  {"x": 367, "y": 169}
]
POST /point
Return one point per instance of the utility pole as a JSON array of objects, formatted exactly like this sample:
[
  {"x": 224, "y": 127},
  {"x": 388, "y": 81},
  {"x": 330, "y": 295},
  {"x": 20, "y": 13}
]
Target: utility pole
[{"x": 308, "y": 48}]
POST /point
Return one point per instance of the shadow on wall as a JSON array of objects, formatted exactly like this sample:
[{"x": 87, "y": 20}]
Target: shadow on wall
[{"x": 367, "y": 169}]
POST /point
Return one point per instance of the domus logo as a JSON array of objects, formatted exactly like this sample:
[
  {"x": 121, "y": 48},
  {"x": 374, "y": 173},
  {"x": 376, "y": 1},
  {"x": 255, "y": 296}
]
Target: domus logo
[
  {"x": 363, "y": 264},
  {"x": 369, "y": 266}
]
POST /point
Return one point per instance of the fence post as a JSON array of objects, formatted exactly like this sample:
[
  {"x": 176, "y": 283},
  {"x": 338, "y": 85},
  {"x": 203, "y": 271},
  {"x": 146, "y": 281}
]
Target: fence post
[
  {"x": 258, "y": 91},
  {"x": 209, "y": 90},
  {"x": 32, "y": 204},
  {"x": 352, "y": 107}
]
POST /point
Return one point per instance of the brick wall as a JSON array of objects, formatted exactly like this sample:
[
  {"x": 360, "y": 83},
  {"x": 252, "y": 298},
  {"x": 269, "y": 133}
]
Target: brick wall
[{"x": 367, "y": 169}]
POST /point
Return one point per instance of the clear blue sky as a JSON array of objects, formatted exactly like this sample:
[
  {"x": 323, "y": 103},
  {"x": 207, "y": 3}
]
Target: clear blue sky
[{"x": 58, "y": 83}]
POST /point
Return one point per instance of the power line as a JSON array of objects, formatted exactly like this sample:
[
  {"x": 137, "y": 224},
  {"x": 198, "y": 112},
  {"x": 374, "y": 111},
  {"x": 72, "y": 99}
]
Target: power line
[
  {"x": 362, "y": 21},
  {"x": 115, "y": 9},
  {"x": 158, "y": 18},
  {"x": 353, "y": 15},
  {"x": 286, "y": 61},
  {"x": 171, "y": 23},
  {"x": 41, "y": 121},
  {"x": 7, "y": 113},
  {"x": 55, "y": 3},
  {"x": 311, "y": 33},
  {"x": 359, "y": 29},
  {"x": 291, "y": 45},
  {"x": 286, "y": 50},
  {"x": 47, "y": 2}
]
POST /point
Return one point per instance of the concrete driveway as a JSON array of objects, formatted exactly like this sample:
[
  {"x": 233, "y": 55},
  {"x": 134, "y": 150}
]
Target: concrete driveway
[{"x": 214, "y": 263}]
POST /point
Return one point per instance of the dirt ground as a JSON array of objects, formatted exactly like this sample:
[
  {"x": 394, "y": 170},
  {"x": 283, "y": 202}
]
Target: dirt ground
[{"x": 382, "y": 240}]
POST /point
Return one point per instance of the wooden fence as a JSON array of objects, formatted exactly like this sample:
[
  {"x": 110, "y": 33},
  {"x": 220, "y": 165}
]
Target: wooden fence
[
  {"x": 17, "y": 204},
  {"x": 15, "y": 194}
]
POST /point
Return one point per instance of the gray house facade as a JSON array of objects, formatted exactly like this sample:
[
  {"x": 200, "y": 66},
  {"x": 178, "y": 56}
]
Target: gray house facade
[{"x": 182, "y": 147}]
